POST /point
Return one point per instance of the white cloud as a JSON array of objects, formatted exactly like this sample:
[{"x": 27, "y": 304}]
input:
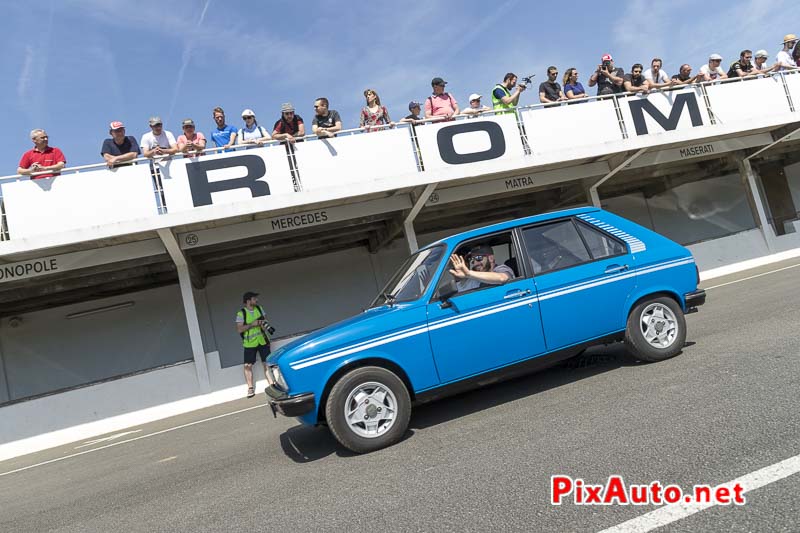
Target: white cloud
[{"x": 26, "y": 74}]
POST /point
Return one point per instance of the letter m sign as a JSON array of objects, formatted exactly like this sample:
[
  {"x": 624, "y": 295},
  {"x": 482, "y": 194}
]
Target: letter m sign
[{"x": 641, "y": 106}]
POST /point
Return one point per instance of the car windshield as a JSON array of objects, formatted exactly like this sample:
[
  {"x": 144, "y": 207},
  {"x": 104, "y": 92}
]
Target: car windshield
[{"x": 412, "y": 278}]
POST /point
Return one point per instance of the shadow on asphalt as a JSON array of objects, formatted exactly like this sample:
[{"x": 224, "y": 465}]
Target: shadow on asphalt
[{"x": 305, "y": 444}]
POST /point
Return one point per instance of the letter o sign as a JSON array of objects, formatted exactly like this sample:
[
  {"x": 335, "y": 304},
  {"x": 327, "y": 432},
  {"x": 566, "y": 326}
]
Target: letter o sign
[{"x": 447, "y": 151}]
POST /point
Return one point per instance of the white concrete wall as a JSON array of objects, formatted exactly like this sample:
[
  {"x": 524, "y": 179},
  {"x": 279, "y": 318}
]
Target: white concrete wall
[
  {"x": 729, "y": 250},
  {"x": 793, "y": 178},
  {"x": 44, "y": 350}
]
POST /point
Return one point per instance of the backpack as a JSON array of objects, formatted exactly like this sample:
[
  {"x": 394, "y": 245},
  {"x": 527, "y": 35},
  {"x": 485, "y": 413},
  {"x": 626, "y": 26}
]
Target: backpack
[
  {"x": 260, "y": 131},
  {"x": 244, "y": 317},
  {"x": 449, "y": 97}
]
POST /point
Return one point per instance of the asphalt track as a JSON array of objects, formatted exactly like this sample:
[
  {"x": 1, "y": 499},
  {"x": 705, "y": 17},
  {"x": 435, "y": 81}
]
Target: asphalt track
[{"x": 726, "y": 407}]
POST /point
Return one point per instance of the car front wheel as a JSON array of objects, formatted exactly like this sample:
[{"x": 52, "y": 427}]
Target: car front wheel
[
  {"x": 656, "y": 330},
  {"x": 368, "y": 409}
]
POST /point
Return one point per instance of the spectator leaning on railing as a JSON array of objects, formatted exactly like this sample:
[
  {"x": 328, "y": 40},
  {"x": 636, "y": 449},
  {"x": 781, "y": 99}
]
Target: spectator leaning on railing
[
  {"x": 607, "y": 77},
  {"x": 684, "y": 76},
  {"x": 712, "y": 70},
  {"x": 224, "y": 135},
  {"x": 635, "y": 82},
  {"x": 475, "y": 107},
  {"x": 760, "y": 65},
  {"x": 158, "y": 141},
  {"x": 326, "y": 121},
  {"x": 373, "y": 114},
  {"x": 549, "y": 90},
  {"x": 656, "y": 77},
  {"x": 192, "y": 142},
  {"x": 413, "y": 117},
  {"x": 784, "y": 58},
  {"x": 41, "y": 157},
  {"x": 440, "y": 103},
  {"x": 573, "y": 89},
  {"x": 120, "y": 148},
  {"x": 743, "y": 66},
  {"x": 502, "y": 95},
  {"x": 252, "y": 133},
  {"x": 290, "y": 126}
]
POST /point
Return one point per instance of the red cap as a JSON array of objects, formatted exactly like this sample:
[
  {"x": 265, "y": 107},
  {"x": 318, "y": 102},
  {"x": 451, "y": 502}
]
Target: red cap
[
  {"x": 607, "y": 57},
  {"x": 117, "y": 125}
]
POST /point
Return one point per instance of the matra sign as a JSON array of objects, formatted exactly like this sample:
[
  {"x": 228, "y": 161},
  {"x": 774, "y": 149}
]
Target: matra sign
[
  {"x": 665, "y": 110},
  {"x": 226, "y": 178}
]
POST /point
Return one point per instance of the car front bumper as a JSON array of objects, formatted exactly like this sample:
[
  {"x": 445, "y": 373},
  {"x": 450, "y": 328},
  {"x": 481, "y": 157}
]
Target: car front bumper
[
  {"x": 291, "y": 406},
  {"x": 694, "y": 299}
]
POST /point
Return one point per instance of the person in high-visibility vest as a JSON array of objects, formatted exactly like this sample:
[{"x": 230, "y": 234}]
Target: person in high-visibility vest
[
  {"x": 252, "y": 325},
  {"x": 502, "y": 95}
]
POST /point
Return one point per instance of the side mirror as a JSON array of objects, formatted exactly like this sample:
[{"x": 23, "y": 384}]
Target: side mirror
[{"x": 447, "y": 291}]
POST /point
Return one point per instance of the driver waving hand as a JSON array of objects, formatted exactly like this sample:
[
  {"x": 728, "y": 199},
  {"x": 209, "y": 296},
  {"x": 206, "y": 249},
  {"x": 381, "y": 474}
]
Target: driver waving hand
[{"x": 481, "y": 270}]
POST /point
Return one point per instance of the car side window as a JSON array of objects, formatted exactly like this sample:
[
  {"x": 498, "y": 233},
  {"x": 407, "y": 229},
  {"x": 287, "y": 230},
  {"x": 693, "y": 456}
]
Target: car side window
[
  {"x": 555, "y": 246},
  {"x": 495, "y": 253},
  {"x": 600, "y": 245}
]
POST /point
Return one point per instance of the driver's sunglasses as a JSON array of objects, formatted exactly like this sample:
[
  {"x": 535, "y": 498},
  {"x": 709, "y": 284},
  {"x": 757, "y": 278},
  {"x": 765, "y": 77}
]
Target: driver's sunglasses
[{"x": 476, "y": 258}]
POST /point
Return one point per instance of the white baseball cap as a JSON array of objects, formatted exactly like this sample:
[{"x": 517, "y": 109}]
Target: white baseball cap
[
  {"x": 474, "y": 96},
  {"x": 761, "y": 53},
  {"x": 248, "y": 113},
  {"x": 715, "y": 57}
]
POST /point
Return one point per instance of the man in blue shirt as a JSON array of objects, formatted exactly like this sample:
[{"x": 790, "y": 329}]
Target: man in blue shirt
[
  {"x": 224, "y": 136},
  {"x": 120, "y": 148}
]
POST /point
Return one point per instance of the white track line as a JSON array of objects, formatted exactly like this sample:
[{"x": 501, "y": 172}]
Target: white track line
[
  {"x": 752, "y": 277},
  {"x": 670, "y": 513},
  {"x": 131, "y": 440}
]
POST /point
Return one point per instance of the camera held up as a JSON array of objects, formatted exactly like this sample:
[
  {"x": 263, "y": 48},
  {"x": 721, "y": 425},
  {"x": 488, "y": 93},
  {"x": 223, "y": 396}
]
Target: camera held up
[{"x": 526, "y": 80}]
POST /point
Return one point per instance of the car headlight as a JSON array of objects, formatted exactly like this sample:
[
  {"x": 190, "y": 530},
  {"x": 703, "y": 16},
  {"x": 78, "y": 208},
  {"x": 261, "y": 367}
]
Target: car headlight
[{"x": 278, "y": 377}]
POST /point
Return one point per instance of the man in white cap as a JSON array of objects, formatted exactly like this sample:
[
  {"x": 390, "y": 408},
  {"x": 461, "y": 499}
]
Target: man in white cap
[
  {"x": 784, "y": 57},
  {"x": 712, "y": 70},
  {"x": 158, "y": 141},
  {"x": 289, "y": 126},
  {"x": 252, "y": 133},
  {"x": 760, "y": 65},
  {"x": 475, "y": 107}
]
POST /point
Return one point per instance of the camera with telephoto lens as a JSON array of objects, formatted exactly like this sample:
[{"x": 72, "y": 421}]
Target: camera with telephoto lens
[
  {"x": 607, "y": 65},
  {"x": 267, "y": 327}
]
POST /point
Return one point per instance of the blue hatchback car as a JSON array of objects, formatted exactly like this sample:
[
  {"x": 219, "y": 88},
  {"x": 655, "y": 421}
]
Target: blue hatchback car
[{"x": 482, "y": 306}]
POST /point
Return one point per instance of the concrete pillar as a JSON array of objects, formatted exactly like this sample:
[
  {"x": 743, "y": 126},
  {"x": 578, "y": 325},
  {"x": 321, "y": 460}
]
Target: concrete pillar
[
  {"x": 189, "y": 307},
  {"x": 757, "y": 203}
]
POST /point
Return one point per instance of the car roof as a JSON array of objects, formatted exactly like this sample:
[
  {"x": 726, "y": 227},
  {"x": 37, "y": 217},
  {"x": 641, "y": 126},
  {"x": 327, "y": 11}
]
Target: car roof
[{"x": 477, "y": 232}]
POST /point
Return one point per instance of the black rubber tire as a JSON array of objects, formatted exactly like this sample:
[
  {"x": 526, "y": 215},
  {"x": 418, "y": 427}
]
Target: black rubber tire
[
  {"x": 334, "y": 409},
  {"x": 637, "y": 345}
]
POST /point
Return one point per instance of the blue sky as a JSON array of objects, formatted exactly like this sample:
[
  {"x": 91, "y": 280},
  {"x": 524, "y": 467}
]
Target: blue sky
[{"x": 72, "y": 66}]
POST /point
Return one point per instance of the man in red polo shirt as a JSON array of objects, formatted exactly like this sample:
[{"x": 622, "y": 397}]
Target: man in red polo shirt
[{"x": 42, "y": 158}]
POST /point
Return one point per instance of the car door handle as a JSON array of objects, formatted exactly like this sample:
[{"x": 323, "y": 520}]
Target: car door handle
[
  {"x": 616, "y": 268},
  {"x": 516, "y": 294}
]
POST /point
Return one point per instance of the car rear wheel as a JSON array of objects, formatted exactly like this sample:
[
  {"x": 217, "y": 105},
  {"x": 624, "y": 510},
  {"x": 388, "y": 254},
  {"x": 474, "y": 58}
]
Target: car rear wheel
[
  {"x": 656, "y": 330},
  {"x": 368, "y": 409}
]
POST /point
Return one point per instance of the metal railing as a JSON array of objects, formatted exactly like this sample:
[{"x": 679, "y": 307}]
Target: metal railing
[{"x": 158, "y": 187}]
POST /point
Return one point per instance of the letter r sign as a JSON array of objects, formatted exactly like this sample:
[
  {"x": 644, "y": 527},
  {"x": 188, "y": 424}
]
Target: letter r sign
[{"x": 254, "y": 169}]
